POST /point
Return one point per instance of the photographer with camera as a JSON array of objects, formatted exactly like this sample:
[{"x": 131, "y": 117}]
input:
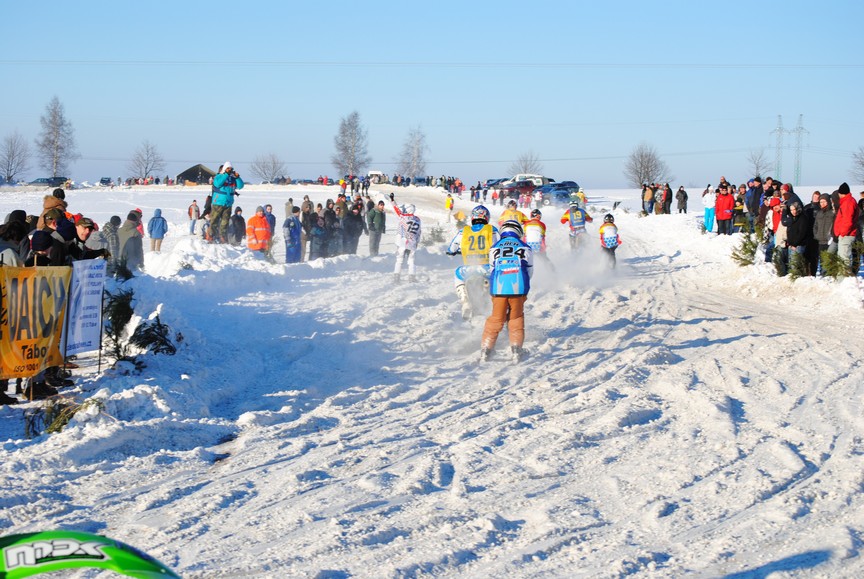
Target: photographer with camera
[{"x": 225, "y": 186}]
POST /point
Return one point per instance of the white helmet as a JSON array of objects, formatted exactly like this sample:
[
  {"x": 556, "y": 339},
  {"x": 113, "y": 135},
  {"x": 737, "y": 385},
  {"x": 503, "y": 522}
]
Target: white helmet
[
  {"x": 511, "y": 226},
  {"x": 408, "y": 209}
]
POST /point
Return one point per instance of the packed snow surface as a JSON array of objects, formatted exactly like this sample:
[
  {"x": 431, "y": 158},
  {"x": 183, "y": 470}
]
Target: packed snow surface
[{"x": 680, "y": 416}]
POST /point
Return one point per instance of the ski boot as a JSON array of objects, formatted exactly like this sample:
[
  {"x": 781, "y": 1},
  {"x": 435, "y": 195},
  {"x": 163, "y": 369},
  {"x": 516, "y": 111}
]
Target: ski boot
[
  {"x": 517, "y": 353},
  {"x": 462, "y": 292},
  {"x": 484, "y": 354}
]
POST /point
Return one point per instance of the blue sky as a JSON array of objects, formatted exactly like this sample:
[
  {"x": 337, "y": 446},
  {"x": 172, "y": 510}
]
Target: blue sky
[{"x": 579, "y": 84}]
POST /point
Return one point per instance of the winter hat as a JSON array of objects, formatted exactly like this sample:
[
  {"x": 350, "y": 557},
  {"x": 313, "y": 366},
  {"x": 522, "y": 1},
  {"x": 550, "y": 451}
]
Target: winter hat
[
  {"x": 843, "y": 189},
  {"x": 67, "y": 229},
  {"x": 17, "y": 215},
  {"x": 826, "y": 197},
  {"x": 133, "y": 216},
  {"x": 115, "y": 220},
  {"x": 259, "y": 208},
  {"x": 40, "y": 241},
  {"x": 775, "y": 201},
  {"x": 54, "y": 215},
  {"x": 227, "y": 165},
  {"x": 238, "y": 210}
]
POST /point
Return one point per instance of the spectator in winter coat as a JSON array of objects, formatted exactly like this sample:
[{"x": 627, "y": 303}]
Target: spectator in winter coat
[
  {"x": 84, "y": 229},
  {"x": 57, "y": 200},
  {"x": 376, "y": 221},
  {"x": 724, "y": 210},
  {"x": 823, "y": 222},
  {"x": 12, "y": 234},
  {"x": 667, "y": 199},
  {"x": 753, "y": 200},
  {"x": 846, "y": 223},
  {"x": 237, "y": 227},
  {"x": 292, "y": 230},
  {"x": 21, "y": 216},
  {"x": 681, "y": 197},
  {"x": 647, "y": 199},
  {"x": 225, "y": 186},
  {"x": 258, "y": 232},
  {"x": 194, "y": 213},
  {"x": 307, "y": 220},
  {"x": 318, "y": 239},
  {"x": 157, "y": 227},
  {"x": 271, "y": 219},
  {"x": 106, "y": 238},
  {"x": 131, "y": 243},
  {"x": 709, "y": 200},
  {"x": 354, "y": 226},
  {"x": 799, "y": 235}
]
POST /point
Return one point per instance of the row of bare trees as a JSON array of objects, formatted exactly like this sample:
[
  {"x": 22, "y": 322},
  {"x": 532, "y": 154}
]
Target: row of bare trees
[{"x": 56, "y": 149}]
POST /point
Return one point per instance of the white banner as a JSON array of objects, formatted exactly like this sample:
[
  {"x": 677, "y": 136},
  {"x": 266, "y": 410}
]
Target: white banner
[{"x": 85, "y": 306}]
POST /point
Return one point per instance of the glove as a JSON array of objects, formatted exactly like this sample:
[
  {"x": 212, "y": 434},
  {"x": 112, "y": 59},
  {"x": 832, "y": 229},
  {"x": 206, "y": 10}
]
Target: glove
[
  {"x": 236, "y": 194},
  {"x": 392, "y": 197},
  {"x": 451, "y": 253}
]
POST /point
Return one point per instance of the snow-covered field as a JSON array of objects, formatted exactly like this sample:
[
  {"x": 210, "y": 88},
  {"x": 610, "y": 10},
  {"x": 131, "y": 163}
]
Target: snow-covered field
[{"x": 680, "y": 417}]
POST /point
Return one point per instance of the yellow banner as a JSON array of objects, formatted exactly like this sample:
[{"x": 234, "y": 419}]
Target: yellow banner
[{"x": 32, "y": 309}]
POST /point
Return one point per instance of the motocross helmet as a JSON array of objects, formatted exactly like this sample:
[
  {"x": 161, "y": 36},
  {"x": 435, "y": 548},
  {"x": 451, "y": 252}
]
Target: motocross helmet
[
  {"x": 609, "y": 218},
  {"x": 511, "y": 226},
  {"x": 408, "y": 209},
  {"x": 479, "y": 215},
  {"x": 536, "y": 213}
]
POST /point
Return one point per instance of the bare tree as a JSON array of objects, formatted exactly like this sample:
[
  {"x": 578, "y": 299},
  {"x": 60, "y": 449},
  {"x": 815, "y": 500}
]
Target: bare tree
[
  {"x": 858, "y": 164},
  {"x": 759, "y": 164},
  {"x": 352, "y": 155},
  {"x": 412, "y": 160},
  {"x": 14, "y": 156},
  {"x": 56, "y": 143},
  {"x": 526, "y": 163},
  {"x": 268, "y": 167},
  {"x": 644, "y": 165},
  {"x": 146, "y": 161}
]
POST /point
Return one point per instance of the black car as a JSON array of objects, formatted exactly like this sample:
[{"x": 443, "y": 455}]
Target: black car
[
  {"x": 492, "y": 183},
  {"x": 49, "y": 181},
  {"x": 106, "y": 181}
]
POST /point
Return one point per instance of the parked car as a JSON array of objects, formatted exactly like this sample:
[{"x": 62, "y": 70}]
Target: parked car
[
  {"x": 493, "y": 182},
  {"x": 49, "y": 181},
  {"x": 106, "y": 181},
  {"x": 515, "y": 189}
]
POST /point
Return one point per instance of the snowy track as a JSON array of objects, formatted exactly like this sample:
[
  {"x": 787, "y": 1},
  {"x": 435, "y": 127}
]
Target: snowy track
[{"x": 680, "y": 417}]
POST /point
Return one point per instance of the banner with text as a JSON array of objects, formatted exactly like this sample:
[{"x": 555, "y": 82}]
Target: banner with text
[
  {"x": 83, "y": 332},
  {"x": 32, "y": 309}
]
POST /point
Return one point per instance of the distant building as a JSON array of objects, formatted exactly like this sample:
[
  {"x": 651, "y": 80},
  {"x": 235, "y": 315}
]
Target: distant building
[{"x": 195, "y": 175}]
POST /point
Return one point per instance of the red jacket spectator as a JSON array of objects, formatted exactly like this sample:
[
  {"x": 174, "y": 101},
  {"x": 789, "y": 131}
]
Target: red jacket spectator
[
  {"x": 724, "y": 206},
  {"x": 846, "y": 220}
]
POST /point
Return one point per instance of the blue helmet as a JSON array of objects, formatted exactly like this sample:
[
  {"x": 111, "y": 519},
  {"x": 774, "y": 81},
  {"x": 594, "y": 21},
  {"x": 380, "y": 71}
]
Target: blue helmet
[{"x": 479, "y": 215}]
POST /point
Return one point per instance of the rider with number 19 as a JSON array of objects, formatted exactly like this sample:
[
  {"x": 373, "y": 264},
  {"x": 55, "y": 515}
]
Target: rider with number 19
[{"x": 474, "y": 243}]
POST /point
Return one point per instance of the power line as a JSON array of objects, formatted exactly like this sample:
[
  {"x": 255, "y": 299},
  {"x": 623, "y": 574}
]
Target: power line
[{"x": 427, "y": 64}]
